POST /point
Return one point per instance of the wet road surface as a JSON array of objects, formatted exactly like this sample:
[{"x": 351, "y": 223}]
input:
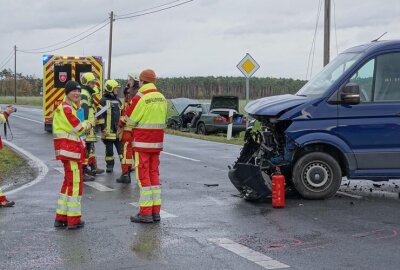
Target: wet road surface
[{"x": 202, "y": 227}]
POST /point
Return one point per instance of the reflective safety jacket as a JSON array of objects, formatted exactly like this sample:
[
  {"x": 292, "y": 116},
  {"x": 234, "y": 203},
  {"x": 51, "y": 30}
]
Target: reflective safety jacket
[
  {"x": 148, "y": 117},
  {"x": 109, "y": 119},
  {"x": 66, "y": 131},
  {"x": 3, "y": 119},
  {"x": 87, "y": 104}
]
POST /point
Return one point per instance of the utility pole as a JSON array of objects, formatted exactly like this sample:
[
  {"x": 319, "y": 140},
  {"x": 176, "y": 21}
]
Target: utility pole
[
  {"x": 110, "y": 45},
  {"x": 15, "y": 74},
  {"x": 327, "y": 31}
]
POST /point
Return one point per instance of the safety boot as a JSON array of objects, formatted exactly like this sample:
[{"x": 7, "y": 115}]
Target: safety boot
[
  {"x": 95, "y": 170},
  {"x": 124, "y": 179},
  {"x": 76, "y": 226},
  {"x": 156, "y": 217},
  {"x": 87, "y": 177},
  {"x": 60, "y": 224},
  {"x": 139, "y": 218},
  {"x": 109, "y": 168},
  {"x": 7, "y": 203}
]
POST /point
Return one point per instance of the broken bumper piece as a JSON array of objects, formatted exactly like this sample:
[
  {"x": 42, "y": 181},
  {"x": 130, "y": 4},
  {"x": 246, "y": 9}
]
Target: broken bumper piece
[{"x": 248, "y": 180}]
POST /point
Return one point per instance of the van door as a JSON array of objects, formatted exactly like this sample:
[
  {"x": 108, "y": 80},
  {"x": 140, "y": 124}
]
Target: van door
[{"x": 372, "y": 127}]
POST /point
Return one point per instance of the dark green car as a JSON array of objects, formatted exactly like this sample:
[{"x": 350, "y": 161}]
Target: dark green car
[{"x": 206, "y": 118}]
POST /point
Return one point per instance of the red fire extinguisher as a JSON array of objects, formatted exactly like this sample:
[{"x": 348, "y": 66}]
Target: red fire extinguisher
[{"x": 278, "y": 189}]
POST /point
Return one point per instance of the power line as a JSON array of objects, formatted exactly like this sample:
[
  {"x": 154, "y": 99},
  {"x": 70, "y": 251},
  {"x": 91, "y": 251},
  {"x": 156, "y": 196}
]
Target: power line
[
  {"x": 135, "y": 12},
  {"x": 312, "y": 50},
  {"x": 315, "y": 40},
  {"x": 7, "y": 61},
  {"x": 69, "y": 44},
  {"x": 334, "y": 20},
  {"x": 155, "y": 11},
  {"x": 68, "y": 39},
  {"x": 37, "y": 50}
]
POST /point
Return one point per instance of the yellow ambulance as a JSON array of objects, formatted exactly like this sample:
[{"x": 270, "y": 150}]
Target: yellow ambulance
[{"x": 57, "y": 71}]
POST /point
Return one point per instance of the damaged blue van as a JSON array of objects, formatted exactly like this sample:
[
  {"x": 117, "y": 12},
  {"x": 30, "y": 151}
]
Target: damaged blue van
[{"x": 343, "y": 122}]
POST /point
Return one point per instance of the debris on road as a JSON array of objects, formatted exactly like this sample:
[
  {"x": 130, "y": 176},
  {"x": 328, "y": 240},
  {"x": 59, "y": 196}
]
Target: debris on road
[{"x": 211, "y": 185}]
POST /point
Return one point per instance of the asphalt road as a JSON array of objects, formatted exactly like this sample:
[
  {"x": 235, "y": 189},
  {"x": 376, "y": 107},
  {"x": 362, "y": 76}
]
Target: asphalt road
[{"x": 202, "y": 227}]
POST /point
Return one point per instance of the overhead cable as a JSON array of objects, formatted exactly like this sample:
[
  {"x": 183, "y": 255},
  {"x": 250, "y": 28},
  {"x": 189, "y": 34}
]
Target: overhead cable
[
  {"x": 66, "y": 40},
  {"x": 6, "y": 58},
  {"x": 151, "y": 12},
  {"x": 334, "y": 20},
  {"x": 69, "y": 44},
  {"x": 7, "y": 61},
  {"x": 135, "y": 12},
  {"x": 312, "y": 50}
]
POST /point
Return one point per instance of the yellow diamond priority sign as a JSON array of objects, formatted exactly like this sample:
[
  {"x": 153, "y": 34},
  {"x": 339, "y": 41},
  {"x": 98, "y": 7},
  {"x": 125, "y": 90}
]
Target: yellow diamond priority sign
[{"x": 248, "y": 66}]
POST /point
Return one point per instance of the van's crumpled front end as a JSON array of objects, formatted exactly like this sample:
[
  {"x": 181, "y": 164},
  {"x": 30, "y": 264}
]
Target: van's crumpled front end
[{"x": 265, "y": 150}]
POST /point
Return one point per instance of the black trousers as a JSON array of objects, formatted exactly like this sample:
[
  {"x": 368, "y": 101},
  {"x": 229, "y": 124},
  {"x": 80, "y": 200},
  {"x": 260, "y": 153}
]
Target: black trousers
[{"x": 110, "y": 151}]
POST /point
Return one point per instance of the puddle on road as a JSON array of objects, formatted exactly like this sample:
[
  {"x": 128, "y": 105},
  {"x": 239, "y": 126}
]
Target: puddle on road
[{"x": 147, "y": 243}]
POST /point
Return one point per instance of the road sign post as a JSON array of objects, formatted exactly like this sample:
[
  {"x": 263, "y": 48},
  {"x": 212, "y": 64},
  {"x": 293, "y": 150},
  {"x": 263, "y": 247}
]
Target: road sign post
[
  {"x": 248, "y": 66},
  {"x": 230, "y": 126}
]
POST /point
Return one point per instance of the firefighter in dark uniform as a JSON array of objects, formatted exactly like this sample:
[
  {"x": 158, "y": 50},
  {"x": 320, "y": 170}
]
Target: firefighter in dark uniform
[
  {"x": 88, "y": 81},
  {"x": 109, "y": 121}
]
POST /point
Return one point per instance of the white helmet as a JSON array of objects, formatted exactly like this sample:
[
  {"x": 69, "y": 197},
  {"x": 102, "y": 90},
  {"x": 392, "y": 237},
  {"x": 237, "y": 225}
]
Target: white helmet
[{"x": 134, "y": 75}]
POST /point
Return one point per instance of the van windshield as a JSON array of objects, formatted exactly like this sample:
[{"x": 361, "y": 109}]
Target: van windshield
[{"x": 329, "y": 74}]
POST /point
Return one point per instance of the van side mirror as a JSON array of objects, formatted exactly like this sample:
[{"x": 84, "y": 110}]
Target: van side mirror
[{"x": 350, "y": 93}]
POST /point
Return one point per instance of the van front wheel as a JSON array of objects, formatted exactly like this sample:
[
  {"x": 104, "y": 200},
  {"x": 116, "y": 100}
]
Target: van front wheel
[{"x": 317, "y": 176}]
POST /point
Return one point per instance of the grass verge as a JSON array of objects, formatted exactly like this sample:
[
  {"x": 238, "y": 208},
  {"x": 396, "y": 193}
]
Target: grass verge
[
  {"x": 221, "y": 137},
  {"x": 9, "y": 163},
  {"x": 32, "y": 101}
]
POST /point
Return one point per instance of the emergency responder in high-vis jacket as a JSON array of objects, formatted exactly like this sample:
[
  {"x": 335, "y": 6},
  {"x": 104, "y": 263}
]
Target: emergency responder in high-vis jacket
[
  {"x": 148, "y": 119},
  {"x": 69, "y": 148},
  {"x": 126, "y": 133},
  {"x": 3, "y": 119},
  {"x": 110, "y": 106},
  {"x": 87, "y": 103}
]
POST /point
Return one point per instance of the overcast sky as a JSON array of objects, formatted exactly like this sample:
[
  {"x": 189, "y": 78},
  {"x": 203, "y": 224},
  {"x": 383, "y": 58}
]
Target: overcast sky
[{"x": 201, "y": 38}]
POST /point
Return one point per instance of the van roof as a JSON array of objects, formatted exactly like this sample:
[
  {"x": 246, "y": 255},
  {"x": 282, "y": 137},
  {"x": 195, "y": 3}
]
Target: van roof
[{"x": 375, "y": 46}]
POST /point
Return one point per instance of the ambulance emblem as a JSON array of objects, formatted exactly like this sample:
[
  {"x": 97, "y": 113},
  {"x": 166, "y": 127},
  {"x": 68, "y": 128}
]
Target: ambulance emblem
[{"x": 62, "y": 76}]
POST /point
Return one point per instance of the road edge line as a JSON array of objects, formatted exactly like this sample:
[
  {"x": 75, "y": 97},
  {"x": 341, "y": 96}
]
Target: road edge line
[{"x": 36, "y": 162}]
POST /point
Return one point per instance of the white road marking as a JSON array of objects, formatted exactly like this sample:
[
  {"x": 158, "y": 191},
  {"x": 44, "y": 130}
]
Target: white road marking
[
  {"x": 249, "y": 254},
  {"x": 163, "y": 213},
  {"x": 94, "y": 185},
  {"x": 36, "y": 121},
  {"x": 98, "y": 186},
  {"x": 349, "y": 195},
  {"x": 59, "y": 169},
  {"x": 178, "y": 156},
  {"x": 35, "y": 162}
]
